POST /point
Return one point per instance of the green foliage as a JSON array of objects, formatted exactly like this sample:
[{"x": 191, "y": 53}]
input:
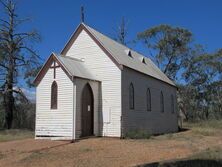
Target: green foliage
[
  {"x": 198, "y": 74},
  {"x": 170, "y": 45},
  {"x": 200, "y": 97},
  {"x": 137, "y": 134}
]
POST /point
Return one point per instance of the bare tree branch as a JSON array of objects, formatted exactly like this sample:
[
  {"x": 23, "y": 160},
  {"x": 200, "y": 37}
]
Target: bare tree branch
[
  {"x": 15, "y": 53},
  {"x": 19, "y": 92}
]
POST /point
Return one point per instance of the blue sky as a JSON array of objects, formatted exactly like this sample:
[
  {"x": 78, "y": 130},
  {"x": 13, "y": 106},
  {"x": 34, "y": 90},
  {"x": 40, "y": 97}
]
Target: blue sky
[{"x": 56, "y": 20}]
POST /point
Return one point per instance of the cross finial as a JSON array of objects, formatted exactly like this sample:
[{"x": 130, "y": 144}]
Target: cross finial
[{"x": 82, "y": 14}]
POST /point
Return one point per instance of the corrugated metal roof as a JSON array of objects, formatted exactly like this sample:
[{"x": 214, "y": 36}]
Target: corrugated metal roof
[
  {"x": 120, "y": 54},
  {"x": 75, "y": 67}
]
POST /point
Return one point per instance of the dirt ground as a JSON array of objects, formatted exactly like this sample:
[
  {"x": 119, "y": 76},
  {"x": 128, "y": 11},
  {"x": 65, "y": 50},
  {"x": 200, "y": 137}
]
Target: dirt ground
[{"x": 105, "y": 151}]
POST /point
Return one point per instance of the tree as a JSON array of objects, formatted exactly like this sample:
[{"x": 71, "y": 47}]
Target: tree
[
  {"x": 200, "y": 82},
  {"x": 170, "y": 46},
  {"x": 202, "y": 92},
  {"x": 121, "y": 32},
  {"x": 18, "y": 56}
]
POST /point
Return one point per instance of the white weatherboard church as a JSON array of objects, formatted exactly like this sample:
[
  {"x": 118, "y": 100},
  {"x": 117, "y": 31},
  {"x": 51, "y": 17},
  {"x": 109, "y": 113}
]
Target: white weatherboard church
[{"x": 99, "y": 87}]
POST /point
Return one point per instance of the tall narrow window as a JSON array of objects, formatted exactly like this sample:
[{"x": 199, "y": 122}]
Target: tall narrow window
[
  {"x": 148, "y": 99},
  {"x": 131, "y": 96},
  {"x": 172, "y": 103},
  {"x": 161, "y": 102},
  {"x": 54, "y": 95}
]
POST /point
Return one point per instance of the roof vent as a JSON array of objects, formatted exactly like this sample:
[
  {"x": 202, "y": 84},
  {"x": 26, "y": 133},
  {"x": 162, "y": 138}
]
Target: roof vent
[
  {"x": 128, "y": 52},
  {"x": 143, "y": 61}
]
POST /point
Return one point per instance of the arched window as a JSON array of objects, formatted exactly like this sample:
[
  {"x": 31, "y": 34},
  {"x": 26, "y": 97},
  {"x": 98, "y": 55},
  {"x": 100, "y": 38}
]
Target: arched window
[
  {"x": 172, "y": 103},
  {"x": 54, "y": 95},
  {"x": 148, "y": 99},
  {"x": 161, "y": 102},
  {"x": 131, "y": 96}
]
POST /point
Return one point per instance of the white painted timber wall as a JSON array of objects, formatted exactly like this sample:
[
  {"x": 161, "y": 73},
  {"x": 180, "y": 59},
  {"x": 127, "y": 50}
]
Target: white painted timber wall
[
  {"x": 110, "y": 76},
  {"x": 153, "y": 121},
  {"x": 56, "y": 122}
]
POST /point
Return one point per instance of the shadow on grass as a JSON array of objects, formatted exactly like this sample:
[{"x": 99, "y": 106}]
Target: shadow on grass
[
  {"x": 186, "y": 163},
  {"x": 182, "y": 129}
]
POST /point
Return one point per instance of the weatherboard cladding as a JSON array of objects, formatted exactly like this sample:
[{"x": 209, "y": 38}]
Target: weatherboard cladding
[
  {"x": 54, "y": 122},
  {"x": 119, "y": 52},
  {"x": 103, "y": 68},
  {"x": 154, "y": 121},
  {"x": 95, "y": 57}
]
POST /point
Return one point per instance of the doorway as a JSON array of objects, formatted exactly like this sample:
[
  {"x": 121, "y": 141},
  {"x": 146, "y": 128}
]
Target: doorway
[{"x": 87, "y": 111}]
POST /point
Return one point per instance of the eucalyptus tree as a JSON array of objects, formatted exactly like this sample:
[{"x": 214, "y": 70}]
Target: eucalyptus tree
[
  {"x": 168, "y": 45},
  {"x": 17, "y": 55}
]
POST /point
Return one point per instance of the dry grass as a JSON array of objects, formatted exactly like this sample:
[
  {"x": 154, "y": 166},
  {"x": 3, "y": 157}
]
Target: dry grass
[
  {"x": 15, "y": 134},
  {"x": 206, "y": 128},
  {"x": 210, "y": 154},
  {"x": 203, "y": 141}
]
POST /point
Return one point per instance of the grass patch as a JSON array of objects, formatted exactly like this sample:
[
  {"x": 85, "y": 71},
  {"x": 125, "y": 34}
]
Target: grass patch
[
  {"x": 205, "y": 132},
  {"x": 213, "y": 124},
  {"x": 205, "y": 128},
  {"x": 2, "y": 155},
  {"x": 137, "y": 134},
  {"x": 15, "y": 134}
]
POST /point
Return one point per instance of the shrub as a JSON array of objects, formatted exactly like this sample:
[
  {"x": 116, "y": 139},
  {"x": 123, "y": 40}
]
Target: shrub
[{"x": 137, "y": 134}]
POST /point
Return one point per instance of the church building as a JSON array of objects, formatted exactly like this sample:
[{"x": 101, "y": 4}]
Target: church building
[{"x": 99, "y": 87}]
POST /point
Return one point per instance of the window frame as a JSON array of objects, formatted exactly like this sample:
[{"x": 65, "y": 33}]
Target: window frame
[
  {"x": 148, "y": 100},
  {"x": 54, "y": 95},
  {"x": 162, "y": 102},
  {"x": 131, "y": 96},
  {"x": 172, "y": 104}
]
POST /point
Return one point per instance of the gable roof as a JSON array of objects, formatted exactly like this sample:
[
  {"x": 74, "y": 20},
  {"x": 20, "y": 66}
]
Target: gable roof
[
  {"x": 71, "y": 66},
  {"x": 119, "y": 54},
  {"x": 76, "y": 67}
]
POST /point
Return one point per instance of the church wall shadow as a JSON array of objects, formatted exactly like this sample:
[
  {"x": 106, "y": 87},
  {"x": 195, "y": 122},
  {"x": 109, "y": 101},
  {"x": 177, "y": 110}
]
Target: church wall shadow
[{"x": 186, "y": 163}]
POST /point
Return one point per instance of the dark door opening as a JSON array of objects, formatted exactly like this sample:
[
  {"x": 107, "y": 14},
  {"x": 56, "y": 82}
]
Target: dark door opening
[{"x": 87, "y": 111}]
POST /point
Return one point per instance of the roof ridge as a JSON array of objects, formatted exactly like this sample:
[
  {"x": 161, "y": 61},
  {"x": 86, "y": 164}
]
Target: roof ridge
[
  {"x": 87, "y": 26},
  {"x": 115, "y": 51}
]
